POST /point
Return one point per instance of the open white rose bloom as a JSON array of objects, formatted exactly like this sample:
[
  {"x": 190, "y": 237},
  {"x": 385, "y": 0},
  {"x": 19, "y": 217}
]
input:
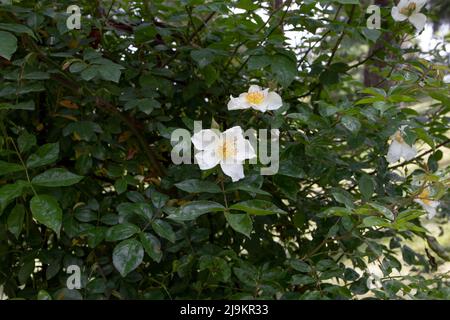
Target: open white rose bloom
[
  {"x": 256, "y": 98},
  {"x": 400, "y": 149},
  {"x": 410, "y": 10},
  {"x": 229, "y": 149},
  {"x": 428, "y": 205}
]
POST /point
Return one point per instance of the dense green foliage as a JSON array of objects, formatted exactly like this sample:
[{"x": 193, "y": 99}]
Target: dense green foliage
[{"x": 86, "y": 176}]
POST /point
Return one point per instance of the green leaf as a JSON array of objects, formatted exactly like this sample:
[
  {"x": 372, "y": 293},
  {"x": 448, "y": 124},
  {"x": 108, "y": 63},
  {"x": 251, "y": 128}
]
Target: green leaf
[
  {"x": 158, "y": 199},
  {"x": 17, "y": 28},
  {"x": 6, "y": 167},
  {"x": 95, "y": 235},
  {"x": 120, "y": 185},
  {"x": 373, "y": 221},
  {"x": 9, "y": 192},
  {"x": 121, "y": 232},
  {"x": 371, "y": 34},
  {"x": 425, "y": 136},
  {"x": 195, "y": 209},
  {"x": 26, "y": 270},
  {"x": 257, "y": 207},
  {"x": 198, "y": 186},
  {"x": 140, "y": 208},
  {"x": 343, "y": 197},
  {"x": 284, "y": 69},
  {"x": 46, "y": 210},
  {"x": 203, "y": 57},
  {"x": 43, "y": 295},
  {"x": 241, "y": 223},
  {"x": 300, "y": 266},
  {"x": 351, "y": 123},
  {"x": 164, "y": 229},
  {"x": 366, "y": 186},
  {"x": 151, "y": 245},
  {"x": 46, "y": 154},
  {"x": 8, "y": 45},
  {"x": 90, "y": 73},
  {"x": 27, "y": 105},
  {"x": 442, "y": 96},
  {"x": 86, "y": 130},
  {"x": 336, "y": 211},
  {"x": 302, "y": 280},
  {"x": 26, "y": 141},
  {"x": 110, "y": 72},
  {"x": 385, "y": 211},
  {"x": 127, "y": 256},
  {"x": 56, "y": 178},
  {"x": 15, "y": 220}
]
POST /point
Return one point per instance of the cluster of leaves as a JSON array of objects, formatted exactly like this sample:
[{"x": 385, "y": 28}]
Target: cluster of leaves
[{"x": 86, "y": 177}]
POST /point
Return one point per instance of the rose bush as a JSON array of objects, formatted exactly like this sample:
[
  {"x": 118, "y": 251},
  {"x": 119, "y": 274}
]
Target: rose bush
[{"x": 87, "y": 180}]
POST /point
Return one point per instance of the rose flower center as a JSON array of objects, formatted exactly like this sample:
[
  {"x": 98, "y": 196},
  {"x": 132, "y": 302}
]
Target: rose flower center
[
  {"x": 255, "y": 97},
  {"x": 227, "y": 149},
  {"x": 408, "y": 10}
]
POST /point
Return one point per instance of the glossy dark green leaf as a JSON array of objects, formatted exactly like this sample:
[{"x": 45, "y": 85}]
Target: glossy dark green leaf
[
  {"x": 46, "y": 210},
  {"x": 195, "y": 209},
  {"x": 366, "y": 186},
  {"x": 127, "y": 256},
  {"x": 164, "y": 229},
  {"x": 46, "y": 154},
  {"x": 198, "y": 186},
  {"x": 121, "y": 232},
  {"x": 16, "y": 219},
  {"x": 257, "y": 207},
  {"x": 10, "y": 192},
  {"x": 57, "y": 177},
  {"x": 8, "y": 45},
  {"x": 151, "y": 245},
  {"x": 6, "y": 167},
  {"x": 241, "y": 223},
  {"x": 26, "y": 141}
]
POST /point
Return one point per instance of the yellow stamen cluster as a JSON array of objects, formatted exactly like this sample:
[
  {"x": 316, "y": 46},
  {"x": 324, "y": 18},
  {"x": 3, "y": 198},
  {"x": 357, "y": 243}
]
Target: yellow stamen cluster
[
  {"x": 398, "y": 137},
  {"x": 408, "y": 10},
  {"x": 227, "y": 149},
  {"x": 424, "y": 196},
  {"x": 255, "y": 97}
]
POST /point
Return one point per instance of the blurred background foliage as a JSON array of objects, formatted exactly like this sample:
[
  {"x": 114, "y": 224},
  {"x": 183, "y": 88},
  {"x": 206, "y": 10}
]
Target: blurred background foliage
[{"x": 86, "y": 176}]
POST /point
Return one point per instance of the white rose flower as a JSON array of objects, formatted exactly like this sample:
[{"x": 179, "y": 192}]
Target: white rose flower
[
  {"x": 229, "y": 149},
  {"x": 410, "y": 10},
  {"x": 400, "y": 149},
  {"x": 428, "y": 205},
  {"x": 256, "y": 98}
]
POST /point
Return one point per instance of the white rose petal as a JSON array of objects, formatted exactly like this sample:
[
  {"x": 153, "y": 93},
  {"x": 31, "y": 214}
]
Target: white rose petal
[
  {"x": 418, "y": 20},
  {"x": 205, "y": 138},
  {"x": 235, "y": 171},
  {"x": 395, "y": 152},
  {"x": 207, "y": 159},
  {"x": 408, "y": 152},
  {"x": 395, "y": 12},
  {"x": 429, "y": 207},
  {"x": 274, "y": 101}
]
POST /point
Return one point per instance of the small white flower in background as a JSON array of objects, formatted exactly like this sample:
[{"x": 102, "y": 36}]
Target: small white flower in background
[
  {"x": 256, "y": 98},
  {"x": 410, "y": 10},
  {"x": 447, "y": 78},
  {"x": 400, "y": 149},
  {"x": 428, "y": 205},
  {"x": 229, "y": 149}
]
